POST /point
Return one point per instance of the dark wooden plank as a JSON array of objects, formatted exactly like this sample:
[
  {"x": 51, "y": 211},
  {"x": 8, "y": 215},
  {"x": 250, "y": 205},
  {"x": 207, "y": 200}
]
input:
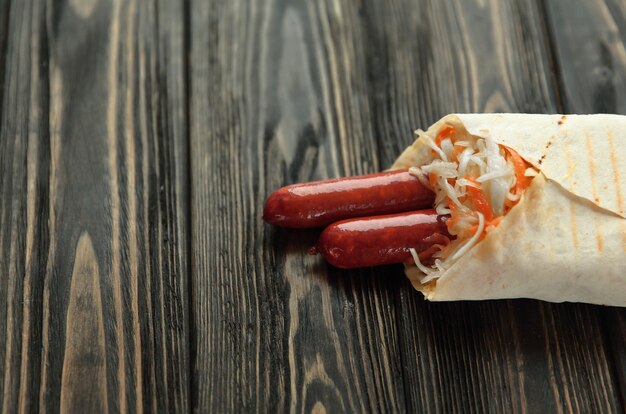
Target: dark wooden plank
[
  {"x": 589, "y": 39},
  {"x": 93, "y": 208},
  {"x": 4, "y": 36},
  {"x": 279, "y": 95},
  {"x": 434, "y": 58},
  {"x": 20, "y": 195}
]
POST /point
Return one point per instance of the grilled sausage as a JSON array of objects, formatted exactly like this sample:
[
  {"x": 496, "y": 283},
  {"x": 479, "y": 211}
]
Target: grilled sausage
[
  {"x": 380, "y": 240},
  {"x": 320, "y": 203}
]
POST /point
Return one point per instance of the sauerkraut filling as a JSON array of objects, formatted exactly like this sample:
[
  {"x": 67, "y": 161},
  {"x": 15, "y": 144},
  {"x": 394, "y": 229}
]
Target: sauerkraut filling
[{"x": 476, "y": 182}]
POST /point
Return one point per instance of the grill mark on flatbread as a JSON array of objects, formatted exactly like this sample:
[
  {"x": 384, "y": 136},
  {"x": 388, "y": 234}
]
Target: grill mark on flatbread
[
  {"x": 572, "y": 206},
  {"x": 618, "y": 185},
  {"x": 616, "y": 173},
  {"x": 562, "y": 120},
  {"x": 592, "y": 168},
  {"x": 592, "y": 176}
]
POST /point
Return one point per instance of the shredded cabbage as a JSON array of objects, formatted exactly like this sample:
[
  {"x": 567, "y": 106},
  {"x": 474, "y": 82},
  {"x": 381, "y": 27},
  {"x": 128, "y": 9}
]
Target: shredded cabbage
[{"x": 482, "y": 165}]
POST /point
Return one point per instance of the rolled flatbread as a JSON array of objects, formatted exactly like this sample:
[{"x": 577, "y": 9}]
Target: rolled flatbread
[{"x": 565, "y": 239}]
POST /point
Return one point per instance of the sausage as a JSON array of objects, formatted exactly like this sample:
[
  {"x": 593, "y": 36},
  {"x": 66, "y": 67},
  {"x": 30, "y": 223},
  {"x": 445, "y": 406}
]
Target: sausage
[
  {"x": 319, "y": 203},
  {"x": 381, "y": 240}
]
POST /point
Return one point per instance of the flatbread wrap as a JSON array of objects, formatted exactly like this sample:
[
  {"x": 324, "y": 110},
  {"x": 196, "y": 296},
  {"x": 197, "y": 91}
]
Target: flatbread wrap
[{"x": 563, "y": 239}]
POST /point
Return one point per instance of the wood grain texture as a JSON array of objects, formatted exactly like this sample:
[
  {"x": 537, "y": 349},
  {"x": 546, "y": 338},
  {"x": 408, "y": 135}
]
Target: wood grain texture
[
  {"x": 93, "y": 212},
  {"x": 84, "y": 362},
  {"x": 283, "y": 92},
  {"x": 279, "y": 95},
  {"x": 589, "y": 39}
]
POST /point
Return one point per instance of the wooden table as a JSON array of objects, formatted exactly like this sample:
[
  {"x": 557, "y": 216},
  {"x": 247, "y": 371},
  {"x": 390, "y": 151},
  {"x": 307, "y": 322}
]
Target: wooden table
[{"x": 139, "y": 139}]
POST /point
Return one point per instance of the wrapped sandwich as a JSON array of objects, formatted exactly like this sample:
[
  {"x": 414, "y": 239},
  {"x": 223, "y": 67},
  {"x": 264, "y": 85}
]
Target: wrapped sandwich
[
  {"x": 525, "y": 206},
  {"x": 565, "y": 237}
]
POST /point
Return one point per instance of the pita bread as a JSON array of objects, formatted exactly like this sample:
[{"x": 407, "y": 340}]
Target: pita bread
[{"x": 565, "y": 241}]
